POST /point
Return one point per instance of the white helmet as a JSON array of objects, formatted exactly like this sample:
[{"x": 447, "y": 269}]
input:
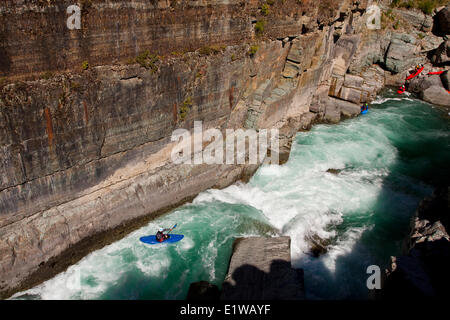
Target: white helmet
[{"x": 161, "y": 229}]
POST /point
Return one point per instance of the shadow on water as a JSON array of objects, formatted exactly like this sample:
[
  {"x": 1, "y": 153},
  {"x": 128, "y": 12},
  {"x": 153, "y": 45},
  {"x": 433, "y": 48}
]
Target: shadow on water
[{"x": 422, "y": 165}]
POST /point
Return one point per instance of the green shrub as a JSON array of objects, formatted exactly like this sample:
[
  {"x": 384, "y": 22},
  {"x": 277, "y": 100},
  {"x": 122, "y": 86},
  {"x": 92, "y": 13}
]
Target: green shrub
[
  {"x": 396, "y": 25},
  {"x": 148, "y": 61},
  {"x": 185, "y": 107},
  {"x": 426, "y": 6},
  {"x": 209, "y": 50},
  {"x": 85, "y": 65},
  {"x": 47, "y": 75},
  {"x": 259, "y": 26},
  {"x": 253, "y": 49},
  {"x": 75, "y": 86},
  {"x": 265, "y": 9}
]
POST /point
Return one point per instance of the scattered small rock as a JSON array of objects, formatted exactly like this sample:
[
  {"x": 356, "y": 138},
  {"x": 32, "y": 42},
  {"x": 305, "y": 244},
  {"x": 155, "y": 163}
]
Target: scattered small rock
[{"x": 334, "y": 171}]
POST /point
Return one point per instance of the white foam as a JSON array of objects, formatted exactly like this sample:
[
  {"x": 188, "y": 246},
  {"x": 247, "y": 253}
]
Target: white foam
[{"x": 384, "y": 100}]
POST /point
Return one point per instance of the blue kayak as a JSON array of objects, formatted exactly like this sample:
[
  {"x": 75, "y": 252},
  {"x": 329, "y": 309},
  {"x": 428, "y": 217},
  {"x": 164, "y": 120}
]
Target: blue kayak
[
  {"x": 364, "y": 111},
  {"x": 152, "y": 239}
]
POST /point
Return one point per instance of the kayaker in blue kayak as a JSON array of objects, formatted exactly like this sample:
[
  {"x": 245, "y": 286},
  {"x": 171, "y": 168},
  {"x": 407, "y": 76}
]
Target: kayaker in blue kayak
[
  {"x": 364, "y": 107},
  {"x": 160, "y": 236}
]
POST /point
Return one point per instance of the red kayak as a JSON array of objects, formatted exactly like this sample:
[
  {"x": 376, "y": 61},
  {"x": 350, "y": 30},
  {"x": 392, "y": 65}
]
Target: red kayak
[
  {"x": 400, "y": 91},
  {"x": 437, "y": 72},
  {"x": 415, "y": 74}
]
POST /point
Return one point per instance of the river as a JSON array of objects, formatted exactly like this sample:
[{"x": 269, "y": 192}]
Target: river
[{"x": 385, "y": 161}]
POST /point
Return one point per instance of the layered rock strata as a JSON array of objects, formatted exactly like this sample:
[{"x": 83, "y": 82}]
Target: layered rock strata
[
  {"x": 260, "y": 269},
  {"x": 84, "y": 153}
]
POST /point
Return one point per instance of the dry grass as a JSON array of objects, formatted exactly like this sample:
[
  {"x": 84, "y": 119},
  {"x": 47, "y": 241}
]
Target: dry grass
[{"x": 427, "y": 6}]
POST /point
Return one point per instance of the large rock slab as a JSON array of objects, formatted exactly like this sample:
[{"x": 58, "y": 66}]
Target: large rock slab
[
  {"x": 445, "y": 78},
  {"x": 401, "y": 52},
  {"x": 260, "y": 269},
  {"x": 346, "y": 47},
  {"x": 442, "y": 53},
  {"x": 421, "y": 83},
  {"x": 443, "y": 20},
  {"x": 436, "y": 95}
]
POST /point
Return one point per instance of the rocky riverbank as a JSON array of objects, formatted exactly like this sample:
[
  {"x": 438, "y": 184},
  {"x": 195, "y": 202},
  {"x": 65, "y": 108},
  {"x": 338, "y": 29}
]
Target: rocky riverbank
[
  {"x": 87, "y": 152},
  {"x": 422, "y": 272}
]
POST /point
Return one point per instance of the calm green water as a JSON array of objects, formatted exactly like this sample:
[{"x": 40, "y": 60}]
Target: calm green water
[{"x": 389, "y": 158}]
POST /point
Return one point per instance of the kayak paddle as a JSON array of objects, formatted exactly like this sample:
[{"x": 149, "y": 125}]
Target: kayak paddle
[{"x": 172, "y": 228}]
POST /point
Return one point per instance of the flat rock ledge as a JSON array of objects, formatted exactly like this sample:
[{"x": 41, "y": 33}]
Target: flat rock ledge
[{"x": 259, "y": 269}]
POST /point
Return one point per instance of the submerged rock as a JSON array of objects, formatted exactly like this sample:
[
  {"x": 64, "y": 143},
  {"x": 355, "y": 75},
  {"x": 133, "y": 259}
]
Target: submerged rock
[
  {"x": 203, "y": 291},
  {"x": 334, "y": 171},
  {"x": 318, "y": 245}
]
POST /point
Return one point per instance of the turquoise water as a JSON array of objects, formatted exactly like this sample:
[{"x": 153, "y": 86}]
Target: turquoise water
[{"x": 389, "y": 160}]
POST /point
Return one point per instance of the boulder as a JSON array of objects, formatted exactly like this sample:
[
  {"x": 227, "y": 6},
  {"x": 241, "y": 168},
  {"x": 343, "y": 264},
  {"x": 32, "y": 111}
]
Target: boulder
[
  {"x": 345, "y": 49},
  {"x": 260, "y": 269},
  {"x": 443, "y": 21},
  {"x": 291, "y": 70},
  {"x": 445, "y": 78},
  {"x": 401, "y": 53},
  {"x": 430, "y": 42},
  {"x": 436, "y": 95},
  {"x": 334, "y": 171},
  {"x": 371, "y": 51},
  {"x": 353, "y": 81},
  {"x": 350, "y": 94},
  {"x": 332, "y": 114},
  {"x": 442, "y": 54},
  {"x": 335, "y": 108},
  {"x": 421, "y": 83},
  {"x": 318, "y": 245}
]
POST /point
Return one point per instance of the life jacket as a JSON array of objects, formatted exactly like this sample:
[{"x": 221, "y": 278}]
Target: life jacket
[{"x": 159, "y": 236}]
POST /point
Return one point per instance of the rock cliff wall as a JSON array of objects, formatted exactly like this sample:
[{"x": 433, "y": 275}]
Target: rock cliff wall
[
  {"x": 422, "y": 271},
  {"x": 85, "y": 152}
]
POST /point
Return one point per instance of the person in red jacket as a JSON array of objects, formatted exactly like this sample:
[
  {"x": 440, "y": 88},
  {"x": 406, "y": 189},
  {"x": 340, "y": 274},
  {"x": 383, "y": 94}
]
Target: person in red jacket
[{"x": 160, "y": 236}]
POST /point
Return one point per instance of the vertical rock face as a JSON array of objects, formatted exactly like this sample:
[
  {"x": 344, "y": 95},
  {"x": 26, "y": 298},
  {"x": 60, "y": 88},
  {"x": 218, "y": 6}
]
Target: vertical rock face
[
  {"x": 35, "y": 38},
  {"x": 260, "y": 269},
  {"x": 423, "y": 270},
  {"x": 443, "y": 20},
  {"x": 87, "y": 152}
]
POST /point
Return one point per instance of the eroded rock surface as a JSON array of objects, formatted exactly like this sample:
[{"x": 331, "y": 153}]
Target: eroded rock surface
[
  {"x": 260, "y": 269},
  {"x": 84, "y": 152},
  {"x": 423, "y": 270}
]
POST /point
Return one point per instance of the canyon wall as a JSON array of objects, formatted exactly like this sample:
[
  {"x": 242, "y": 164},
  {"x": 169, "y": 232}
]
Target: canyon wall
[
  {"x": 86, "y": 147},
  {"x": 422, "y": 269}
]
